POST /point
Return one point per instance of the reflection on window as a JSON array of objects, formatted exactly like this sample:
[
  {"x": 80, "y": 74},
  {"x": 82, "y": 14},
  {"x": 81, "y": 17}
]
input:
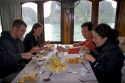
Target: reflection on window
[
  {"x": 0, "y": 26},
  {"x": 82, "y": 13},
  {"x": 107, "y": 12},
  {"x": 29, "y": 14},
  {"x": 52, "y": 21}
]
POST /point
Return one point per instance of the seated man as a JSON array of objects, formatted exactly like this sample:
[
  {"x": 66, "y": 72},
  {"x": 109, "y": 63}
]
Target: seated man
[
  {"x": 12, "y": 54},
  {"x": 86, "y": 32}
]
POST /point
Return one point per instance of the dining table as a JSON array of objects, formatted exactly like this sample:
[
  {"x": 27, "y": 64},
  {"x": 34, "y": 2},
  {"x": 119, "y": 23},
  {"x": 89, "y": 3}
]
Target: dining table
[{"x": 73, "y": 73}]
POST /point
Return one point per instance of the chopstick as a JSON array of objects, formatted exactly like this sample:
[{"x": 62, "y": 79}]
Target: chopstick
[{"x": 85, "y": 67}]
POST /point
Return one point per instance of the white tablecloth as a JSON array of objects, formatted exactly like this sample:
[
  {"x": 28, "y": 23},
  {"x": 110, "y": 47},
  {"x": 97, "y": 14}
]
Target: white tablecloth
[{"x": 63, "y": 77}]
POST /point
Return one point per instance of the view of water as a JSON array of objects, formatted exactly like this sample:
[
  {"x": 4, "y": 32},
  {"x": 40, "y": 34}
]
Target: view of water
[
  {"x": 77, "y": 33},
  {"x": 53, "y": 32}
]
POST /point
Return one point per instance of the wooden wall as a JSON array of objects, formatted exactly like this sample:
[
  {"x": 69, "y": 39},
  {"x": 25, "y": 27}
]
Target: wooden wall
[{"x": 122, "y": 20}]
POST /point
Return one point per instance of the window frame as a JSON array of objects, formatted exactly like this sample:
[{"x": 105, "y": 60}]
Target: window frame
[
  {"x": 116, "y": 15},
  {"x": 67, "y": 37}
]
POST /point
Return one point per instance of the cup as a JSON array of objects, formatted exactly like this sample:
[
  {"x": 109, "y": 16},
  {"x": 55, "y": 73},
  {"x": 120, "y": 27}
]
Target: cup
[
  {"x": 81, "y": 53},
  {"x": 66, "y": 47},
  {"x": 82, "y": 73}
]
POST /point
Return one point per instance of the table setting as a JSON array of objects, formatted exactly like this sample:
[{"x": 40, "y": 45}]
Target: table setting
[{"x": 56, "y": 67}]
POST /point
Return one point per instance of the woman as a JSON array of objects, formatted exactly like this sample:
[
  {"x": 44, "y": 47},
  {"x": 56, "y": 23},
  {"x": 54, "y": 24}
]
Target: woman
[
  {"x": 31, "y": 39},
  {"x": 107, "y": 59}
]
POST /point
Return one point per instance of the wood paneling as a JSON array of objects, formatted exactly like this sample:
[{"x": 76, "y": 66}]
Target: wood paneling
[
  {"x": 122, "y": 20},
  {"x": 95, "y": 9}
]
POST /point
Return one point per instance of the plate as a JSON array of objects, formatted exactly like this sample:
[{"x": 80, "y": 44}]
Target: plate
[
  {"x": 74, "y": 60},
  {"x": 55, "y": 65},
  {"x": 38, "y": 59},
  {"x": 57, "y": 68},
  {"x": 28, "y": 77}
]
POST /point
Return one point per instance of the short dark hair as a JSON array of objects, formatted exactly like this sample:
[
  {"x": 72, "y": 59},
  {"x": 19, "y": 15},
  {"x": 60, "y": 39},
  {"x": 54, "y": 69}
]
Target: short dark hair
[
  {"x": 88, "y": 24},
  {"x": 18, "y": 22},
  {"x": 104, "y": 30},
  {"x": 35, "y": 26}
]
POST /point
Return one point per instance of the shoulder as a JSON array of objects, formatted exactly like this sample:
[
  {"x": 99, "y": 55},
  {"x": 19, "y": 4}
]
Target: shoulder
[
  {"x": 113, "y": 51},
  {"x": 4, "y": 40},
  {"x": 28, "y": 36}
]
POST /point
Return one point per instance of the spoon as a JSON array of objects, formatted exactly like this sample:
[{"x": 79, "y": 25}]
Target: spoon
[{"x": 48, "y": 79}]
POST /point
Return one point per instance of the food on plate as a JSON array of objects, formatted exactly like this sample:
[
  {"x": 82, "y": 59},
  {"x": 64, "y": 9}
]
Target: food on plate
[
  {"x": 55, "y": 65},
  {"x": 21, "y": 80},
  {"x": 38, "y": 57},
  {"x": 28, "y": 77},
  {"x": 49, "y": 47},
  {"x": 74, "y": 60}
]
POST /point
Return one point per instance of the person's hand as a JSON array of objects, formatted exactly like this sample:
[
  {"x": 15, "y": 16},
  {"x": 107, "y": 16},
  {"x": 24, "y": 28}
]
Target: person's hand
[
  {"x": 35, "y": 49},
  {"x": 27, "y": 55},
  {"x": 45, "y": 44},
  {"x": 61, "y": 49},
  {"x": 85, "y": 49},
  {"x": 89, "y": 57},
  {"x": 45, "y": 48}
]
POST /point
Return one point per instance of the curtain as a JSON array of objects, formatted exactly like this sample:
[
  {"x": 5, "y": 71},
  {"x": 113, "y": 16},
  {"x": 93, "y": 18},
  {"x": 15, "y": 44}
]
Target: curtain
[{"x": 9, "y": 12}]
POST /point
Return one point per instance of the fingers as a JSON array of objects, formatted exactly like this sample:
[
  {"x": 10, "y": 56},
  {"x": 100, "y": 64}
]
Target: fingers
[
  {"x": 85, "y": 49},
  {"x": 35, "y": 49},
  {"x": 27, "y": 55},
  {"x": 89, "y": 57}
]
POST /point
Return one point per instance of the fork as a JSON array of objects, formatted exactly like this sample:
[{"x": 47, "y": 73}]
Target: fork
[
  {"x": 87, "y": 80},
  {"x": 86, "y": 67}
]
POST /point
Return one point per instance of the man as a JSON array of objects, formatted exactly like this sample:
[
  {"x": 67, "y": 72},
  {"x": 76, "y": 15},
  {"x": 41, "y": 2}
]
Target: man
[
  {"x": 11, "y": 50},
  {"x": 87, "y": 27}
]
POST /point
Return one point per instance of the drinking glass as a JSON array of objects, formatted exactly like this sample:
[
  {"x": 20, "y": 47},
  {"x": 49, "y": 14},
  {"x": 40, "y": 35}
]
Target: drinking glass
[{"x": 81, "y": 53}]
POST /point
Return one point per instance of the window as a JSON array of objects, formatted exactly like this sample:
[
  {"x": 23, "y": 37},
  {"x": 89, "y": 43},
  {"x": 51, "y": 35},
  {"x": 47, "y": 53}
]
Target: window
[
  {"x": 82, "y": 13},
  {"x": 29, "y": 14},
  {"x": 52, "y": 21},
  {"x": 107, "y": 12},
  {"x": 0, "y": 26}
]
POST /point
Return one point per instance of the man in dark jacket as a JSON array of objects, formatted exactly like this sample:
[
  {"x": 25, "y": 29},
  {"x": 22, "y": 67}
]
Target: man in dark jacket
[{"x": 11, "y": 50}]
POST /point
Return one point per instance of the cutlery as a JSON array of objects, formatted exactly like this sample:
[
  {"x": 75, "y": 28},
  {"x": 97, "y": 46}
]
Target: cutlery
[
  {"x": 71, "y": 72},
  {"x": 50, "y": 75},
  {"x": 86, "y": 67},
  {"x": 48, "y": 79},
  {"x": 87, "y": 80}
]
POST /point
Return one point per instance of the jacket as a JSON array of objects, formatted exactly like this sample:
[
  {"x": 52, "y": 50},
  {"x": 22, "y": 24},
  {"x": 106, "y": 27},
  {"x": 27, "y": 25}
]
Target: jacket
[
  {"x": 10, "y": 55},
  {"x": 29, "y": 42},
  {"x": 109, "y": 62}
]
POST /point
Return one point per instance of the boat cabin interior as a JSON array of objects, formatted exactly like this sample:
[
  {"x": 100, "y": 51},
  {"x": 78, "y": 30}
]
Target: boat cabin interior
[{"x": 62, "y": 19}]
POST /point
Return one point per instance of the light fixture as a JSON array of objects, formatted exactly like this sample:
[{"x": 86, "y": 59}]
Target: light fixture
[{"x": 68, "y": 4}]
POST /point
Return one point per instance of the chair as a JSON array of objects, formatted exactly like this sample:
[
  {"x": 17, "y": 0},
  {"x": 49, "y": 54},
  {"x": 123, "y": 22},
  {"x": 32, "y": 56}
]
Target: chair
[
  {"x": 122, "y": 43},
  {"x": 123, "y": 73}
]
